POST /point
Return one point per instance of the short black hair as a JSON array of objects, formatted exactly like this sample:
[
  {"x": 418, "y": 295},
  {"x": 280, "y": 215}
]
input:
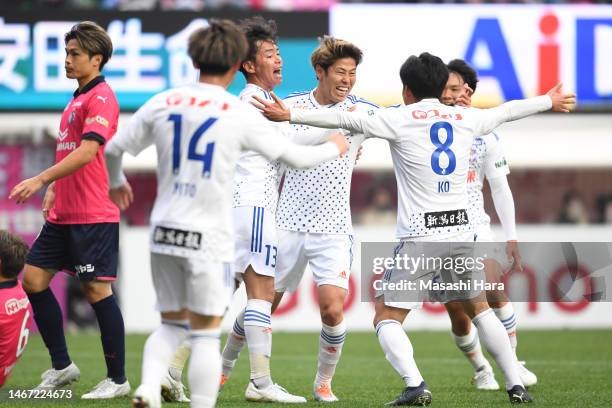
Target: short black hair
[
  {"x": 215, "y": 49},
  {"x": 425, "y": 75},
  {"x": 257, "y": 29},
  {"x": 465, "y": 71},
  {"x": 13, "y": 253}
]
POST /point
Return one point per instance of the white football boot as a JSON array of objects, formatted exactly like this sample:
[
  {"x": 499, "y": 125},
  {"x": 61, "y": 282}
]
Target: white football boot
[
  {"x": 485, "y": 380},
  {"x": 53, "y": 379},
  {"x": 107, "y": 388},
  {"x": 273, "y": 393}
]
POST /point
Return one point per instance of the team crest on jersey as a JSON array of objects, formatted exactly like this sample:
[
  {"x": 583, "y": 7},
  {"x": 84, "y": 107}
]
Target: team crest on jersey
[
  {"x": 71, "y": 117},
  {"x": 13, "y": 305}
]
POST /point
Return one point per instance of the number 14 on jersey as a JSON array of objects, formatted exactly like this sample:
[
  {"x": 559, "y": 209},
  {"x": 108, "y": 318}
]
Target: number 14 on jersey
[{"x": 192, "y": 154}]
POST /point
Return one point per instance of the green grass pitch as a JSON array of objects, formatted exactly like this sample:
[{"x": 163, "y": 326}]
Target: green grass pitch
[{"x": 574, "y": 369}]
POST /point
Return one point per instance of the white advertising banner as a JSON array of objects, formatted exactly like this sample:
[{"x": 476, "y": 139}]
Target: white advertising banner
[
  {"x": 518, "y": 50},
  {"x": 299, "y": 311}
]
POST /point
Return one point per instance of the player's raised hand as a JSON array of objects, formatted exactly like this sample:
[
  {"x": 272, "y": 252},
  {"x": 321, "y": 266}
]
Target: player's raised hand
[
  {"x": 514, "y": 256},
  {"x": 340, "y": 141},
  {"x": 122, "y": 196},
  {"x": 561, "y": 102},
  {"x": 48, "y": 200},
  {"x": 24, "y": 190},
  {"x": 275, "y": 111},
  {"x": 465, "y": 99}
]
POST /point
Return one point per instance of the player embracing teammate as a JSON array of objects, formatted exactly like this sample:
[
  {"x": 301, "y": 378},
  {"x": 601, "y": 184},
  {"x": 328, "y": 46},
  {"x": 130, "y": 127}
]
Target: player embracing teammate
[
  {"x": 415, "y": 133},
  {"x": 199, "y": 131}
]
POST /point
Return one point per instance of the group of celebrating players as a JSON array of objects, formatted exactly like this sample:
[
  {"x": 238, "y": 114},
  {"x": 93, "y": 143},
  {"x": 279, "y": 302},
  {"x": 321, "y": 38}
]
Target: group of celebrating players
[{"x": 218, "y": 218}]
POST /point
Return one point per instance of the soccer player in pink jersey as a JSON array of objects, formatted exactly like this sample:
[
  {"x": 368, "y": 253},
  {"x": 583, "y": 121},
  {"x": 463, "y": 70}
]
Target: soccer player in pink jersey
[
  {"x": 14, "y": 313},
  {"x": 81, "y": 233}
]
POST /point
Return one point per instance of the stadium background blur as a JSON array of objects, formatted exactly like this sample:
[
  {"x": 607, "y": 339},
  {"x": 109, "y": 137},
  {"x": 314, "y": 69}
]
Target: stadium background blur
[{"x": 561, "y": 166}]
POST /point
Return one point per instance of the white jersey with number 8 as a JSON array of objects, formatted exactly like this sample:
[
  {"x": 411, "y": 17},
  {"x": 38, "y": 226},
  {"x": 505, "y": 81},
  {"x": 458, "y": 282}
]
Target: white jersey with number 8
[{"x": 430, "y": 147}]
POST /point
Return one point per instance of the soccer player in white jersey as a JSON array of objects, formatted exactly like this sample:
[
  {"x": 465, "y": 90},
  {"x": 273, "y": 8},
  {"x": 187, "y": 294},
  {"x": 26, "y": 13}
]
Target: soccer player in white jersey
[
  {"x": 433, "y": 199},
  {"x": 314, "y": 216},
  {"x": 254, "y": 204},
  {"x": 486, "y": 160},
  {"x": 199, "y": 132}
]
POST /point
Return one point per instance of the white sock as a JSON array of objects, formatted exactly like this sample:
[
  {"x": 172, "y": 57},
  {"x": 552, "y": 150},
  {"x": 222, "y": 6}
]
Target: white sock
[
  {"x": 495, "y": 340},
  {"x": 234, "y": 345},
  {"x": 205, "y": 367},
  {"x": 398, "y": 351},
  {"x": 258, "y": 331},
  {"x": 470, "y": 345},
  {"x": 506, "y": 315},
  {"x": 331, "y": 341},
  {"x": 179, "y": 360},
  {"x": 159, "y": 350}
]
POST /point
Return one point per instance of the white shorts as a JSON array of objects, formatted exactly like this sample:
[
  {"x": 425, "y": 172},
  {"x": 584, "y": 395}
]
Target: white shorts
[
  {"x": 256, "y": 242},
  {"x": 466, "y": 236},
  {"x": 495, "y": 250},
  {"x": 483, "y": 233},
  {"x": 202, "y": 287},
  {"x": 330, "y": 257}
]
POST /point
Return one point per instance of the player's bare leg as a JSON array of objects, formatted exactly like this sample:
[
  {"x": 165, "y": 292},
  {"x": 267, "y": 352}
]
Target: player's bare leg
[
  {"x": 493, "y": 335},
  {"x": 49, "y": 319},
  {"x": 504, "y": 310},
  {"x": 331, "y": 339},
  {"x": 159, "y": 349},
  {"x": 100, "y": 296},
  {"x": 465, "y": 336},
  {"x": 399, "y": 353}
]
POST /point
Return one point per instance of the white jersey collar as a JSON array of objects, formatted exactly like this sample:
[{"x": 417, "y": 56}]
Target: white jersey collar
[{"x": 317, "y": 105}]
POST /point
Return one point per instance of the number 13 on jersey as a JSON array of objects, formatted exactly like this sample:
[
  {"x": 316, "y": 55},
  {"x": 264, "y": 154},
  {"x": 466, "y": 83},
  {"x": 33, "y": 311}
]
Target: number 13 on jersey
[{"x": 192, "y": 154}]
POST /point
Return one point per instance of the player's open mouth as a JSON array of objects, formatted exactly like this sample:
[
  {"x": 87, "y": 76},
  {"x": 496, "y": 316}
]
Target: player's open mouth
[
  {"x": 278, "y": 73},
  {"x": 342, "y": 90}
]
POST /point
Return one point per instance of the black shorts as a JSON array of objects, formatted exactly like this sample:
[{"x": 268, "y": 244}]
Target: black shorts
[{"x": 89, "y": 251}]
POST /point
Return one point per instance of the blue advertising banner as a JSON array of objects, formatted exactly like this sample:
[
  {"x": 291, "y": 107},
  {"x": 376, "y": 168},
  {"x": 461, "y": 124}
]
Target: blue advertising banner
[{"x": 146, "y": 59}]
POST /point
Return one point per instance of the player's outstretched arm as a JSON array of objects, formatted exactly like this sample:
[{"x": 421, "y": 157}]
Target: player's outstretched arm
[
  {"x": 371, "y": 123},
  {"x": 78, "y": 158},
  {"x": 488, "y": 119},
  {"x": 304, "y": 157},
  {"x": 262, "y": 137}
]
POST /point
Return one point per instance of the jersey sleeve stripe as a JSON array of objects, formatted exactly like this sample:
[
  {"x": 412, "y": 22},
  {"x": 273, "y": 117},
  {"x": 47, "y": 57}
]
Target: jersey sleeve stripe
[
  {"x": 94, "y": 136},
  {"x": 367, "y": 103}
]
